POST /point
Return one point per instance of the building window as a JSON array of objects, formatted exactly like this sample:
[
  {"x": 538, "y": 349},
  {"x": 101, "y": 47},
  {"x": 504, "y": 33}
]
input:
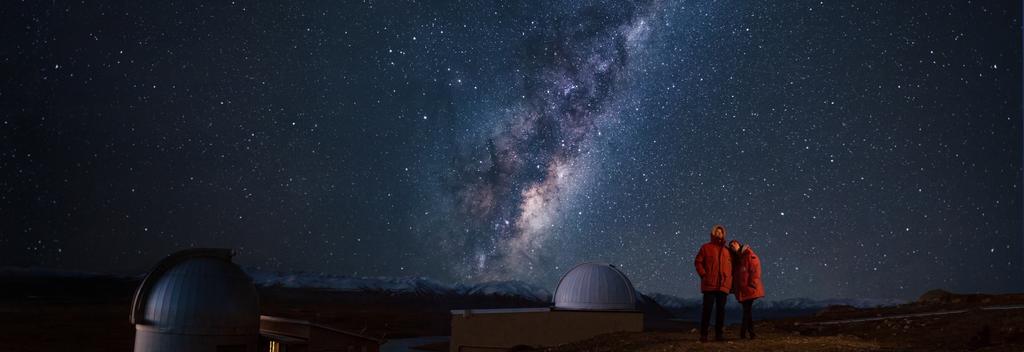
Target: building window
[{"x": 275, "y": 346}]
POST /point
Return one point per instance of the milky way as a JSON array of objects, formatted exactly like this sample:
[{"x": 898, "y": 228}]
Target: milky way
[
  {"x": 863, "y": 149},
  {"x": 512, "y": 194}
]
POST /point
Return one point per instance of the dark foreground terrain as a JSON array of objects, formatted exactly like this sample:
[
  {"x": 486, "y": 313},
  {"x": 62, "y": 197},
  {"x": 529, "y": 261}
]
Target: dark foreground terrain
[
  {"x": 57, "y": 312},
  {"x": 75, "y": 313},
  {"x": 938, "y": 321}
]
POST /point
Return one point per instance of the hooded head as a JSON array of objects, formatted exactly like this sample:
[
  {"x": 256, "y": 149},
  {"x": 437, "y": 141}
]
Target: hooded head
[
  {"x": 737, "y": 247},
  {"x": 718, "y": 234},
  {"x": 734, "y": 246}
]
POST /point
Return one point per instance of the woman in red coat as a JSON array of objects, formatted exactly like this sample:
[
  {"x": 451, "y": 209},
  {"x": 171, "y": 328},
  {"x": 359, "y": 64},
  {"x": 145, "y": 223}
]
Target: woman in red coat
[{"x": 746, "y": 281}]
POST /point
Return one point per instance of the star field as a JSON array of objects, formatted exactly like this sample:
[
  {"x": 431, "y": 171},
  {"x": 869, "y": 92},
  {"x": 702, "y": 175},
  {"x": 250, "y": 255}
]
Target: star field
[{"x": 863, "y": 150}]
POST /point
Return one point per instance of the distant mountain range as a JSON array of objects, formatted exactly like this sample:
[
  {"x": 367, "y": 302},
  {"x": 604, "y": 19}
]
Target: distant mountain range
[
  {"x": 426, "y": 286},
  {"x": 690, "y": 308},
  {"x": 398, "y": 285},
  {"x": 673, "y": 302},
  {"x": 679, "y": 307}
]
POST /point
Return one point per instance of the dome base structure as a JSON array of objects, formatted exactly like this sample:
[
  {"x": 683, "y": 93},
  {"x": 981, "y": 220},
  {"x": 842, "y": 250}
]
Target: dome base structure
[
  {"x": 147, "y": 340},
  {"x": 591, "y": 299}
]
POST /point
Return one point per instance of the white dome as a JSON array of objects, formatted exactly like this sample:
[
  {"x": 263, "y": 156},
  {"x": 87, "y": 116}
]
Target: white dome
[
  {"x": 197, "y": 292},
  {"x": 593, "y": 286}
]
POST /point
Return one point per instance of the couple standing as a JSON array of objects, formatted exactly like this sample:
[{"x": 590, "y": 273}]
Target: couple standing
[{"x": 724, "y": 269}]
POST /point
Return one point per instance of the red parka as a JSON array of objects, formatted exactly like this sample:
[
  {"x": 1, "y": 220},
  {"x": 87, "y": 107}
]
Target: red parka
[
  {"x": 714, "y": 265},
  {"x": 747, "y": 275}
]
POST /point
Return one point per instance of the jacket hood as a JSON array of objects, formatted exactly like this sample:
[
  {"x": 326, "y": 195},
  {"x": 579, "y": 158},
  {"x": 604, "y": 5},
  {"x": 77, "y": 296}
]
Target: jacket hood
[{"x": 718, "y": 240}]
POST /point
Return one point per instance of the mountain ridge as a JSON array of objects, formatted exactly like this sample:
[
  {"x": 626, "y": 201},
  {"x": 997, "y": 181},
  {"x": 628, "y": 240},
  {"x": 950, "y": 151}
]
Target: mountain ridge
[{"x": 422, "y": 285}]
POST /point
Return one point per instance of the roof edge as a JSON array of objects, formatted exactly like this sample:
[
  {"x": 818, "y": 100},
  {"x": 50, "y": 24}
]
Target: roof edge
[{"x": 273, "y": 318}]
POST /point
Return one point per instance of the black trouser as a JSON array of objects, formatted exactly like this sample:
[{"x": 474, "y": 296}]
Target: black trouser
[
  {"x": 748, "y": 319},
  {"x": 712, "y": 299}
]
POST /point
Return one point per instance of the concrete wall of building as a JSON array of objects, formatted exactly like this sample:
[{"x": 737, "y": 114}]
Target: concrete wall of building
[
  {"x": 153, "y": 341},
  {"x": 500, "y": 331}
]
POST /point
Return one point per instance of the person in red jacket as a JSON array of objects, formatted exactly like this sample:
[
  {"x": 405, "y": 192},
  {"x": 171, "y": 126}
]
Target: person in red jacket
[
  {"x": 746, "y": 279},
  {"x": 714, "y": 265}
]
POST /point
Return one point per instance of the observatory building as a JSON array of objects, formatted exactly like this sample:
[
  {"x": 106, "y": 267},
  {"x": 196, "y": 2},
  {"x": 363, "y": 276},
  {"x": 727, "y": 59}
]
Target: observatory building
[
  {"x": 591, "y": 299},
  {"x": 196, "y": 300}
]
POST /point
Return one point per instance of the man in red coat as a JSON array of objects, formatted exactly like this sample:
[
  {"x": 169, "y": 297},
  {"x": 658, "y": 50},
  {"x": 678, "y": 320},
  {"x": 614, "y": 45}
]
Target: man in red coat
[
  {"x": 747, "y": 284},
  {"x": 714, "y": 265}
]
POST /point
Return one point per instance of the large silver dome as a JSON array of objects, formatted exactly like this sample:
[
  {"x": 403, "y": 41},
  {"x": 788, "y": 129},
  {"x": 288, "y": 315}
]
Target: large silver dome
[
  {"x": 593, "y": 286},
  {"x": 197, "y": 292}
]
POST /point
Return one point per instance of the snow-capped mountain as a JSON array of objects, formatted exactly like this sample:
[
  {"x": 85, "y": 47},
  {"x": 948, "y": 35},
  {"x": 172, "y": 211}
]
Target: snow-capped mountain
[
  {"x": 507, "y": 288},
  {"x": 807, "y": 303},
  {"x": 398, "y": 285},
  {"x": 512, "y": 288},
  {"x": 348, "y": 283},
  {"x": 673, "y": 302},
  {"x": 682, "y": 307},
  {"x": 690, "y": 308}
]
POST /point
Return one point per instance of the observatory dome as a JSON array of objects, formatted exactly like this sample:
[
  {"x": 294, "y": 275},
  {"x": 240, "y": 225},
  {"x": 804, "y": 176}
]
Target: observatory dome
[
  {"x": 196, "y": 292},
  {"x": 593, "y": 286}
]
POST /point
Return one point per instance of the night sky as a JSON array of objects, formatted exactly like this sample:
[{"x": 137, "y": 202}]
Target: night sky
[{"x": 863, "y": 150}]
